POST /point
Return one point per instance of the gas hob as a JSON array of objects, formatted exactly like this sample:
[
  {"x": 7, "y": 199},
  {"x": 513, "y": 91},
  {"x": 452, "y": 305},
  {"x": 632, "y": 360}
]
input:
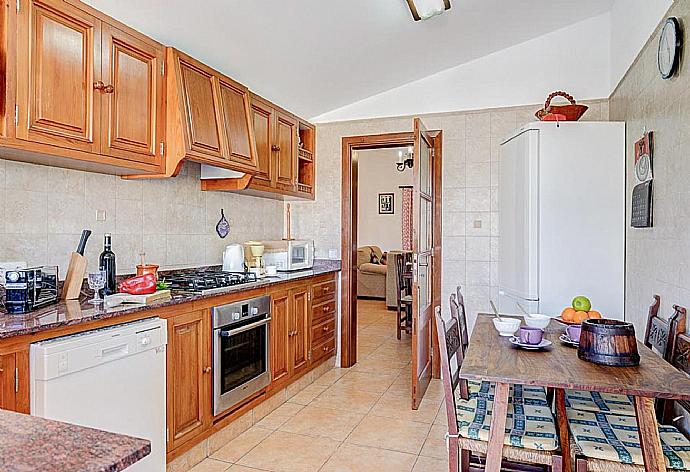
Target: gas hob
[{"x": 207, "y": 282}]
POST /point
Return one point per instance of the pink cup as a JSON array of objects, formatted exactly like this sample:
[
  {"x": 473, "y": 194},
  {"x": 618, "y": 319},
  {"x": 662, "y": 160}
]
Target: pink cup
[
  {"x": 573, "y": 332},
  {"x": 530, "y": 335}
]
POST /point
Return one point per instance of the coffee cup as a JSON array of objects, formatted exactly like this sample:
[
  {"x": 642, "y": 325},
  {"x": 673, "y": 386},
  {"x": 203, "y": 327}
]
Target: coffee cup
[
  {"x": 530, "y": 335},
  {"x": 573, "y": 332}
]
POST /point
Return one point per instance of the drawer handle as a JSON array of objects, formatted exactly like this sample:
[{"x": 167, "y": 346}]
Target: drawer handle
[
  {"x": 327, "y": 289},
  {"x": 325, "y": 329},
  {"x": 326, "y": 309},
  {"x": 325, "y": 348}
]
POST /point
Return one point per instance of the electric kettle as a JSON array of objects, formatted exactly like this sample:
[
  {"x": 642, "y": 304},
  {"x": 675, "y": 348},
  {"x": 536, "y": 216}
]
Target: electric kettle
[{"x": 233, "y": 258}]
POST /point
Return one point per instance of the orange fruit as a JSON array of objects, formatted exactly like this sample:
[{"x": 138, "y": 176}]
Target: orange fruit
[
  {"x": 568, "y": 314},
  {"x": 594, "y": 314},
  {"x": 580, "y": 316}
]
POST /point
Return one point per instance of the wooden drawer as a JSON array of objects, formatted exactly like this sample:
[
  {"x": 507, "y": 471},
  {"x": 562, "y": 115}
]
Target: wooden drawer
[
  {"x": 324, "y": 290},
  {"x": 322, "y": 330},
  {"x": 325, "y": 349},
  {"x": 322, "y": 311}
]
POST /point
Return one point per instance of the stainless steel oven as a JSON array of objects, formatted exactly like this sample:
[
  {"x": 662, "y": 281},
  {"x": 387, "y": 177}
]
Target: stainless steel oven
[{"x": 240, "y": 351}]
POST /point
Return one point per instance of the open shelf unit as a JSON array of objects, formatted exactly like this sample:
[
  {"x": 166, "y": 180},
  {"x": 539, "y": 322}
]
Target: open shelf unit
[{"x": 306, "y": 150}]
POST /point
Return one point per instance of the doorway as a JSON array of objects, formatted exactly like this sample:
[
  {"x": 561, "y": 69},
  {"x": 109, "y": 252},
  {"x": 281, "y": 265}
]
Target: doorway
[{"x": 426, "y": 251}]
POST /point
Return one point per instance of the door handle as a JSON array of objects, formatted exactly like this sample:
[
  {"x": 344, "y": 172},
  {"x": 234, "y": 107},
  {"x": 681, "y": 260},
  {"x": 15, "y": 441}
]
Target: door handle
[
  {"x": 99, "y": 85},
  {"x": 275, "y": 148},
  {"x": 108, "y": 89},
  {"x": 207, "y": 370}
]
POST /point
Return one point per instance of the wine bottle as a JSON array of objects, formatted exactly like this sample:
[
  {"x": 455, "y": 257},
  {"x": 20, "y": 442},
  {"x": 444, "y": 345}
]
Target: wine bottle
[{"x": 106, "y": 262}]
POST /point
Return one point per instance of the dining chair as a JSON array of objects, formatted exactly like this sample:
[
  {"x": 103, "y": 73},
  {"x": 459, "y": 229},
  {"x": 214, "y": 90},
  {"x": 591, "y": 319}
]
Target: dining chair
[
  {"x": 609, "y": 442},
  {"x": 404, "y": 295},
  {"x": 659, "y": 335},
  {"x": 530, "y": 429}
]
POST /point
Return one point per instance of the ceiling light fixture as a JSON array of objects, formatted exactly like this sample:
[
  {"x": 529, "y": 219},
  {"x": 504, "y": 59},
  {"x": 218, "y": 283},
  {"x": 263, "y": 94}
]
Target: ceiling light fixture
[{"x": 425, "y": 9}]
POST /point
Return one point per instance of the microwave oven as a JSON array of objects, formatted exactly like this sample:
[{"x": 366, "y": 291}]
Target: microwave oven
[{"x": 288, "y": 255}]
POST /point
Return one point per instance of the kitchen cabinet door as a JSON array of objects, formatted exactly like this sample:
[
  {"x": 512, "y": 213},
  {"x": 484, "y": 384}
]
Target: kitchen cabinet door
[
  {"x": 299, "y": 328},
  {"x": 8, "y": 396},
  {"x": 58, "y": 75},
  {"x": 280, "y": 313},
  {"x": 238, "y": 125},
  {"x": 189, "y": 377},
  {"x": 133, "y": 101},
  {"x": 262, "y": 120},
  {"x": 286, "y": 150},
  {"x": 201, "y": 108}
]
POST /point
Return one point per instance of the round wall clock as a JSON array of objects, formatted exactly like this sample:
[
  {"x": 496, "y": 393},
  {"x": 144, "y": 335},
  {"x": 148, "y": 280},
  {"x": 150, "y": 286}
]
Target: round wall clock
[{"x": 670, "y": 46}]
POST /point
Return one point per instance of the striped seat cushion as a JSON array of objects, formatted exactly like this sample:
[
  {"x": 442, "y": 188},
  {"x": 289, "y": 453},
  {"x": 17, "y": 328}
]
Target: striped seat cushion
[
  {"x": 615, "y": 438},
  {"x": 600, "y": 402},
  {"x": 527, "y": 426},
  {"x": 526, "y": 394}
]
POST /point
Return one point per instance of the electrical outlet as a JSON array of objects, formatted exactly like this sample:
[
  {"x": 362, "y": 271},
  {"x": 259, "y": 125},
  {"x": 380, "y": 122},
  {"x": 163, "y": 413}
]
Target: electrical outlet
[
  {"x": 477, "y": 224},
  {"x": 100, "y": 215}
]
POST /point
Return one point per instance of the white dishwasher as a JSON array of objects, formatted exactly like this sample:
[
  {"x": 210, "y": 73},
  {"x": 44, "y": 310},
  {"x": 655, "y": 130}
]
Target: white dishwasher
[{"x": 111, "y": 379}]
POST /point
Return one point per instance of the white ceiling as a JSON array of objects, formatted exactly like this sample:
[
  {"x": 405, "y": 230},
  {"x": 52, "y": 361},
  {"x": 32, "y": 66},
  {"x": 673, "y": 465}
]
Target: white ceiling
[{"x": 313, "y": 56}]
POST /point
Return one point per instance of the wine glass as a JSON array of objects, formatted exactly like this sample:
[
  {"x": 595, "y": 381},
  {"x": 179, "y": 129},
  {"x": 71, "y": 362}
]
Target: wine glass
[{"x": 96, "y": 283}]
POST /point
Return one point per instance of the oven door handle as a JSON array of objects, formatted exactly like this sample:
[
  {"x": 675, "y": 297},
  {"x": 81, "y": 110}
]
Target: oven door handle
[{"x": 232, "y": 332}]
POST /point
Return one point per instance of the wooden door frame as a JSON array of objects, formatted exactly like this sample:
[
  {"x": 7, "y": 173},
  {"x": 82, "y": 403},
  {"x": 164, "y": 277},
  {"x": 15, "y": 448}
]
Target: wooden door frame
[{"x": 348, "y": 229}]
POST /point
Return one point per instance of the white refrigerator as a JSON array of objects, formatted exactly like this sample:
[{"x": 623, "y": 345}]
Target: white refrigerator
[{"x": 562, "y": 217}]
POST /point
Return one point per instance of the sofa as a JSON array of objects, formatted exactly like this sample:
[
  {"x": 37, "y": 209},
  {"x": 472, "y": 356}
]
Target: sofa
[{"x": 376, "y": 280}]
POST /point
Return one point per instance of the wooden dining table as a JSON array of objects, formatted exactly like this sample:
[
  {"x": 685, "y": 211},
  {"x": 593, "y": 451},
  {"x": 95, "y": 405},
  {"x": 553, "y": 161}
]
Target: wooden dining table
[{"x": 493, "y": 358}]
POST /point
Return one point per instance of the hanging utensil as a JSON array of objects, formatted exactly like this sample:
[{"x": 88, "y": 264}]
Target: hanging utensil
[
  {"x": 522, "y": 309},
  {"x": 222, "y": 227},
  {"x": 493, "y": 307}
]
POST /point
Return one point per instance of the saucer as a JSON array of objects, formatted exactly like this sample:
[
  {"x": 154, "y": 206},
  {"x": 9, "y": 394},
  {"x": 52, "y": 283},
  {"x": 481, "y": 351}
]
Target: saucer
[
  {"x": 564, "y": 338},
  {"x": 516, "y": 342}
]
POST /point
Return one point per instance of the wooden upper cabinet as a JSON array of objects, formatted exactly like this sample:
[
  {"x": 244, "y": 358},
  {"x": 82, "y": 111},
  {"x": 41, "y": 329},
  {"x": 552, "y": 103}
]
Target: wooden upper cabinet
[
  {"x": 286, "y": 150},
  {"x": 59, "y": 62},
  {"x": 262, "y": 118},
  {"x": 201, "y": 108},
  {"x": 208, "y": 117},
  {"x": 133, "y": 101},
  {"x": 238, "y": 125}
]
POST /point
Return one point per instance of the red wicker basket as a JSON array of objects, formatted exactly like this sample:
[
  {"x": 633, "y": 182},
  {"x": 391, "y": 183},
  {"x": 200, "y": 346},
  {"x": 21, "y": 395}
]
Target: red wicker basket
[{"x": 572, "y": 112}]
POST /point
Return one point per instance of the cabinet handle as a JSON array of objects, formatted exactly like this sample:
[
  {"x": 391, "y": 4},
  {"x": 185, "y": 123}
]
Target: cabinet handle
[
  {"x": 325, "y": 348},
  {"x": 98, "y": 85},
  {"x": 207, "y": 370},
  {"x": 326, "y": 289},
  {"x": 275, "y": 148},
  {"x": 326, "y": 309},
  {"x": 325, "y": 329},
  {"x": 108, "y": 89}
]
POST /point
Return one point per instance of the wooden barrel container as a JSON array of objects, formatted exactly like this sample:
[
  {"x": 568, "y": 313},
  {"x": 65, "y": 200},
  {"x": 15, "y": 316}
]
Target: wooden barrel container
[{"x": 608, "y": 342}]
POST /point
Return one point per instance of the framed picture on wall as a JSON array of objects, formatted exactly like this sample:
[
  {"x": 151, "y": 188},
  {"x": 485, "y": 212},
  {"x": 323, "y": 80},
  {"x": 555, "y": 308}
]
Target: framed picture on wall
[{"x": 386, "y": 203}]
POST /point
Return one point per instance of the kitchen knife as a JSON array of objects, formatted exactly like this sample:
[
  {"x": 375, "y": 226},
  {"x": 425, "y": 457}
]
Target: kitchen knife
[{"x": 82, "y": 242}]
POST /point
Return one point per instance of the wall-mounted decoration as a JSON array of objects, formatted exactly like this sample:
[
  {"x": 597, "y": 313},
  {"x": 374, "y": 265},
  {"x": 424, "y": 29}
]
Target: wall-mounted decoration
[
  {"x": 641, "y": 215},
  {"x": 386, "y": 203},
  {"x": 670, "y": 48},
  {"x": 222, "y": 227}
]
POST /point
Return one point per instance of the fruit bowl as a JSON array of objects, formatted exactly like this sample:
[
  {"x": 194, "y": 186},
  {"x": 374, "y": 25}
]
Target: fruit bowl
[{"x": 565, "y": 322}]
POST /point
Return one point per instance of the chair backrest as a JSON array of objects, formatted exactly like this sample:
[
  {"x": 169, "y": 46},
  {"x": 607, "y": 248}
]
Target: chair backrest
[
  {"x": 661, "y": 334},
  {"x": 399, "y": 270},
  {"x": 457, "y": 310},
  {"x": 450, "y": 347},
  {"x": 680, "y": 358}
]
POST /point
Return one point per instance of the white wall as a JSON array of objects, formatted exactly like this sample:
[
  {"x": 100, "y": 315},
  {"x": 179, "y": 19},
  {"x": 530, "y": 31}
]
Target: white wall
[
  {"x": 378, "y": 174},
  {"x": 519, "y": 75},
  {"x": 632, "y": 23}
]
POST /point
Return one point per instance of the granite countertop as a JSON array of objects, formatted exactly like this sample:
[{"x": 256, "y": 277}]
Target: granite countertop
[
  {"x": 72, "y": 312},
  {"x": 32, "y": 443}
]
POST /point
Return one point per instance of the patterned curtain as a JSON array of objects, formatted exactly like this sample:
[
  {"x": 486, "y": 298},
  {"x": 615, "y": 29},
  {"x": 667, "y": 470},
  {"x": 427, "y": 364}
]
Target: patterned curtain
[{"x": 407, "y": 218}]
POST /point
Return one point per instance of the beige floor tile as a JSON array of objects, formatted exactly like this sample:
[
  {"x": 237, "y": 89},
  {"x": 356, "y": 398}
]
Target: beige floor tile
[
  {"x": 402, "y": 387},
  {"x": 331, "y": 377},
  {"x": 241, "y": 468},
  {"x": 442, "y": 415},
  {"x": 308, "y": 394},
  {"x": 351, "y": 458},
  {"x": 435, "y": 444},
  {"x": 279, "y": 416},
  {"x": 242, "y": 444},
  {"x": 323, "y": 422},
  {"x": 366, "y": 381},
  {"x": 346, "y": 399},
  {"x": 388, "y": 433},
  {"x": 387, "y": 366},
  {"x": 397, "y": 406},
  {"x": 287, "y": 452},
  {"x": 429, "y": 464},
  {"x": 210, "y": 465}
]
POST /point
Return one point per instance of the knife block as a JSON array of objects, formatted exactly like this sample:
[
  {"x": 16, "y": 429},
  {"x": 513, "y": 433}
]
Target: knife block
[{"x": 75, "y": 277}]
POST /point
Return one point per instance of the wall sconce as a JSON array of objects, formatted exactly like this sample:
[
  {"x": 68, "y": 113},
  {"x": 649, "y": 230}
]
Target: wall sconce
[
  {"x": 405, "y": 159},
  {"x": 425, "y": 9}
]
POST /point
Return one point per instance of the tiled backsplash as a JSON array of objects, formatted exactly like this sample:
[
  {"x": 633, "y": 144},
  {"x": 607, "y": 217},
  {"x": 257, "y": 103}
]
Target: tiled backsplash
[
  {"x": 658, "y": 258},
  {"x": 45, "y": 208},
  {"x": 470, "y": 185}
]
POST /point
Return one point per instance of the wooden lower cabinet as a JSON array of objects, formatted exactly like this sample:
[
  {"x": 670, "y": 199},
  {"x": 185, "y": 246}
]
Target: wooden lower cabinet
[
  {"x": 280, "y": 321},
  {"x": 290, "y": 332},
  {"x": 14, "y": 381},
  {"x": 189, "y": 376},
  {"x": 299, "y": 328}
]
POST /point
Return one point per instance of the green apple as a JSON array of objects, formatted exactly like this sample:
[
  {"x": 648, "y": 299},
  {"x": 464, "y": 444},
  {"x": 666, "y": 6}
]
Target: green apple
[{"x": 582, "y": 303}]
